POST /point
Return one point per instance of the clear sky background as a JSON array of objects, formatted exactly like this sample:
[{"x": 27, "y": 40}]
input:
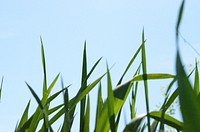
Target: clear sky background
[{"x": 112, "y": 29}]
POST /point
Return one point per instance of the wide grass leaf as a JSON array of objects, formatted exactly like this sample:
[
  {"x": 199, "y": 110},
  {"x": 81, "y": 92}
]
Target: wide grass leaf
[{"x": 190, "y": 106}]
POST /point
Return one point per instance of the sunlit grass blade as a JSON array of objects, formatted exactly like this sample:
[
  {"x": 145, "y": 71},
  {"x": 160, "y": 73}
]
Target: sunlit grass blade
[
  {"x": 111, "y": 114},
  {"x": 24, "y": 117},
  {"x": 44, "y": 68},
  {"x": 144, "y": 69},
  {"x": 99, "y": 105},
  {"x": 190, "y": 106},
  {"x": 87, "y": 116},
  {"x": 196, "y": 80},
  {"x": 1, "y": 86}
]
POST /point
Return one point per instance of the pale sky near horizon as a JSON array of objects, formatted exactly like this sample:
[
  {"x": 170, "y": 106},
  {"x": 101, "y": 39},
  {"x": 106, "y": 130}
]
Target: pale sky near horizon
[{"x": 112, "y": 29}]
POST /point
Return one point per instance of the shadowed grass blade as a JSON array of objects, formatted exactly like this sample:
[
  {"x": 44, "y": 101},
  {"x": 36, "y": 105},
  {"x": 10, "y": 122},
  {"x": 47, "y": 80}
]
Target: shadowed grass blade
[{"x": 188, "y": 100}]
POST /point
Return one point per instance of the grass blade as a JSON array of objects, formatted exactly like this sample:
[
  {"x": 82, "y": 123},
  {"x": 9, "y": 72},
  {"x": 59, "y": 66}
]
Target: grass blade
[
  {"x": 110, "y": 103},
  {"x": 188, "y": 100},
  {"x": 144, "y": 69},
  {"x": 99, "y": 105},
  {"x": 44, "y": 68},
  {"x": 87, "y": 116},
  {"x": 24, "y": 117},
  {"x": 196, "y": 80},
  {"x": 83, "y": 86}
]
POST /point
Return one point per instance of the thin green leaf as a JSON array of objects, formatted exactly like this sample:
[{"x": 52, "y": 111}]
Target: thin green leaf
[
  {"x": 129, "y": 65},
  {"x": 44, "y": 68}
]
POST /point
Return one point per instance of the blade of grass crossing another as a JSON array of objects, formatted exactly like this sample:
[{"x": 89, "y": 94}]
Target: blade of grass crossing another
[
  {"x": 144, "y": 69},
  {"x": 45, "y": 116}
]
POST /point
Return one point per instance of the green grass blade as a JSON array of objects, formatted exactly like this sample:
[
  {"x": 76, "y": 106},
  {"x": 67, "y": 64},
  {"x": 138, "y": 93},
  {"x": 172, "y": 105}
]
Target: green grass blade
[
  {"x": 82, "y": 94},
  {"x": 189, "y": 104},
  {"x": 196, "y": 80},
  {"x": 111, "y": 114},
  {"x": 130, "y": 63},
  {"x": 179, "y": 20},
  {"x": 99, "y": 105},
  {"x": 87, "y": 116},
  {"x": 44, "y": 68},
  {"x": 83, "y": 86},
  {"x": 1, "y": 86},
  {"x": 144, "y": 69},
  {"x": 66, "y": 123},
  {"x": 24, "y": 117}
]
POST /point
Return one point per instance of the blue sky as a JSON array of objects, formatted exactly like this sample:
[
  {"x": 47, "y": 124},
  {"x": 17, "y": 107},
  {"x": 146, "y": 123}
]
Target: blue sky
[{"x": 112, "y": 29}]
